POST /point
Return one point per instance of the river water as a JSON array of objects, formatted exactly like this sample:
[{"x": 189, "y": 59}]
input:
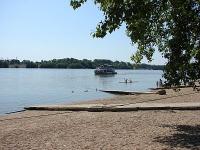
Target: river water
[{"x": 26, "y": 87}]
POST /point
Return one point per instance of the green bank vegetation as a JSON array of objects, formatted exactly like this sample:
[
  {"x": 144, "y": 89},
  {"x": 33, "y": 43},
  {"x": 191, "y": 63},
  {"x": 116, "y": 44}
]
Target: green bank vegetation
[{"x": 72, "y": 63}]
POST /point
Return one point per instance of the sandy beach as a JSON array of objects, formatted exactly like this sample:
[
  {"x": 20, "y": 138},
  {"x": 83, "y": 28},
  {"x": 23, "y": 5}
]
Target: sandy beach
[{"x": 106, "y": 130}]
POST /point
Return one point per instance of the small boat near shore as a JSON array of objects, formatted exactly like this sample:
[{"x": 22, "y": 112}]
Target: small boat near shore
[
  {"x": 105, "y": 70},
  {"x": 119, "y": 92}
]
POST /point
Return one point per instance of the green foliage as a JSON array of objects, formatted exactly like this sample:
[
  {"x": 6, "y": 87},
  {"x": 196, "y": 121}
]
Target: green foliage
[
  {"x": 14, "y": 61},
  {"x": 171, "y": 26},
  {"x": 29, "y": 64},
  {"x": 149, "y": 67}
]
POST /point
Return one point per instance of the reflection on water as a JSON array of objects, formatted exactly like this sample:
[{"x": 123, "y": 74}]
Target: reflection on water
[{"x": 25, "y": 87}]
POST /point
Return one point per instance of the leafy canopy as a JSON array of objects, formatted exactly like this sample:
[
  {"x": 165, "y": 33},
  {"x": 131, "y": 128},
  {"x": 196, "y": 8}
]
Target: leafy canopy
[{"x": 171, "y": 26}]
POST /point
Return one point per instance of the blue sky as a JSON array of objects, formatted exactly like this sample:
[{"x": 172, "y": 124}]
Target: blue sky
[{"x": 46, "y": 29}]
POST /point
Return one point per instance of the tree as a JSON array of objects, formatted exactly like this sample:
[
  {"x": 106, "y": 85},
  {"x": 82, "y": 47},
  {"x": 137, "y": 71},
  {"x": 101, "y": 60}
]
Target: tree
[
  {"x": 171, "y": 26},
  {"x": 4, "y": 64}
]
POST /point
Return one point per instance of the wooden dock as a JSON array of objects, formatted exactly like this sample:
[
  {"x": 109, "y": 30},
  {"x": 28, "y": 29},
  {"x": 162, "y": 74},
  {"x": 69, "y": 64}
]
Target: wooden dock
[{"x": 118, "y": 107}]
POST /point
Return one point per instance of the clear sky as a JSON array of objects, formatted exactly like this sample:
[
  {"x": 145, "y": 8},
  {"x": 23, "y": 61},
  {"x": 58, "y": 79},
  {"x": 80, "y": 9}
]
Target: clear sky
[{"x": 47, "y": 29}]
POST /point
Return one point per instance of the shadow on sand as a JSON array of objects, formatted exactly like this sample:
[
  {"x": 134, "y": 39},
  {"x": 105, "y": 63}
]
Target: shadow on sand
[{"x": 185, "y": 136}]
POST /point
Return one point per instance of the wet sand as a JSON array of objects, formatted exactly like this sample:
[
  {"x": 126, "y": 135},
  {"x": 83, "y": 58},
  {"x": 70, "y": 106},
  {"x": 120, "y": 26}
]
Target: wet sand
[{"x": 106, "y": 130}]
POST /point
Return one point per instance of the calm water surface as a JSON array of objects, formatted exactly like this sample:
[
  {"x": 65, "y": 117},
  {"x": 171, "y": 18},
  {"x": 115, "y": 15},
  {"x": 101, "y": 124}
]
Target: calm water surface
[{"x": 25, "y": 87}]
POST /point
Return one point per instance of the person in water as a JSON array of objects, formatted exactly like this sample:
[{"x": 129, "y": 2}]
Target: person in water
[
  {"x": 157, "y": 84},
  {"x": 161, "y": 84}
]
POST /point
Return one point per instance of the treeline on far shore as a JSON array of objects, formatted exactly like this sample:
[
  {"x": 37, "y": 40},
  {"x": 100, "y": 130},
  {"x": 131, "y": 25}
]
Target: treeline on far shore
[{"x": 72, "y": 63}]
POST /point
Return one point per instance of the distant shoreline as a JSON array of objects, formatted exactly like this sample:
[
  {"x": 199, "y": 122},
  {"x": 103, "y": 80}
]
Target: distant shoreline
[
  {"x": 77, "y": 68},
  {"x": 72, "y": 63}
]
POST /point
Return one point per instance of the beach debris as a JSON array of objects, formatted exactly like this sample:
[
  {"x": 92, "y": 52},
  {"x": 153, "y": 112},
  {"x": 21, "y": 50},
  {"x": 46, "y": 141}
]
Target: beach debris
[
  {"x": 195, "y": 88},
  {"x": 161, "y": 92},
  {"x": 176, "y": 89}
]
